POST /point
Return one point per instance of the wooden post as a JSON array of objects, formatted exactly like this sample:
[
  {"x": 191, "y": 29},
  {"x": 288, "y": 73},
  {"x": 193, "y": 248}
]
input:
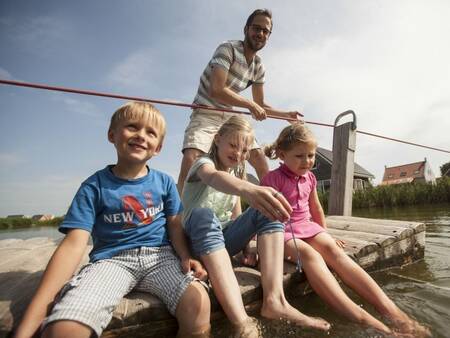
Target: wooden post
[{"x": 343, "y": 167}]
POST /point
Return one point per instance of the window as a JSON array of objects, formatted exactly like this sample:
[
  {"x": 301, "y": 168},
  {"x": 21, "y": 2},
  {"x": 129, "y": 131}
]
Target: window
[{"x": 403, "y": 174}]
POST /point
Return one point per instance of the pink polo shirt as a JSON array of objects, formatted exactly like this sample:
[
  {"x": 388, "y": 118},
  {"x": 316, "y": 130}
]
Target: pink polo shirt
[{"x": 296, "y": 190}]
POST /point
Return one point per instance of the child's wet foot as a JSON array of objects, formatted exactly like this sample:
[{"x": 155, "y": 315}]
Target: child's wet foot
[
  {"x": 411, "y": 328},
  {"x": 249, "y": 329},
  {"x": 292, "y": 315}
]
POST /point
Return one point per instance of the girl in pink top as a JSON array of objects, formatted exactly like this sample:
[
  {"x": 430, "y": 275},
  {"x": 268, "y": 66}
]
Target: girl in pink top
[{"x": 306, "y": 236}]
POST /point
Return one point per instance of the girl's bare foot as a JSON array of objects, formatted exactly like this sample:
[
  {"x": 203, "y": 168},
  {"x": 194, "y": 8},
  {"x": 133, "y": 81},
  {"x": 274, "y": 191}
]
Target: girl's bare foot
[
  {"x": 287, "y": 312},
  {"x": 248, "y": 329},
  {"x": 411, "y": 327}
]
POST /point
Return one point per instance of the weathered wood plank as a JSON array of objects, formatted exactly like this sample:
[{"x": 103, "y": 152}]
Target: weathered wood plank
[{"x": 375, "y": 228}]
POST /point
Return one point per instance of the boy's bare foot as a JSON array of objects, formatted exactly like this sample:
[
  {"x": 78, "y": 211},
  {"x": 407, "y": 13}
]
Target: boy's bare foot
[
  {"x": 288, "y": 312},
  {"x": 249, "y": 329}
]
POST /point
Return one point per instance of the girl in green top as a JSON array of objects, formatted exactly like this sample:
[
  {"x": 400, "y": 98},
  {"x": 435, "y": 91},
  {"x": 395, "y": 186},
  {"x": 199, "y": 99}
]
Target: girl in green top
[{"x": 217, "y": 229}]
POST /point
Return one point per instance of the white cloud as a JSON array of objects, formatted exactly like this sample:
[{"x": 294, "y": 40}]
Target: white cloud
[
  {"x": 78, "y": 106},
  {"x": 5, "y": 75},
  {"x": 49, "y": 194},
  {"x": 393, "y": 72},
  {"x": 134, "y": 71},
  {"x": 39, "y": 35},
  {"x": 11, "y": 160}
]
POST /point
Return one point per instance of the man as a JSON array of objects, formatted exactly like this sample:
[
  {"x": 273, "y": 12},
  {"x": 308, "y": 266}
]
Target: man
[{"x": 234, "y": 67}]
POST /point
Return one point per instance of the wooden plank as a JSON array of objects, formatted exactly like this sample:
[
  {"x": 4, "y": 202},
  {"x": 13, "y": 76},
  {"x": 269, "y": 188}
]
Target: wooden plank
[
  {"x": 381, "y": 240},
  {"x": 388, "y": 230},
  {"x": 416, "y": 226}
]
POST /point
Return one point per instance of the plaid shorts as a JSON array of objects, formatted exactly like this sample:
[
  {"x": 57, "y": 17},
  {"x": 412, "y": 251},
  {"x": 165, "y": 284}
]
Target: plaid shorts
[
  {"x": 202, "y": 127},
  {"x": 91, "y": 296}
]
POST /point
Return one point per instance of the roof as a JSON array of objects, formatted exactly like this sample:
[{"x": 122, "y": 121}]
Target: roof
[
  {"x": 400, "y": 173},
  {"x": 328, "y": 156}
]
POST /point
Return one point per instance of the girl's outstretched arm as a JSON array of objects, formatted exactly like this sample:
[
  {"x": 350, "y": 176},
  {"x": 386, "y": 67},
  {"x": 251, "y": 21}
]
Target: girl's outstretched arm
[
  {"x": 62, "y": 265},
  {"x": 266, "y": 199}
]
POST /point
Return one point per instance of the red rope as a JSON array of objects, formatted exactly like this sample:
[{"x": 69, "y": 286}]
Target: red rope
[
  {"x": 134, "y": 98},
  {"x": 180, "y": 104}
]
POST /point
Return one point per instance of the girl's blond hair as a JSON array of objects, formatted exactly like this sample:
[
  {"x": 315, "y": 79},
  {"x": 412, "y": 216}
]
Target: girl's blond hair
[
  {"x": 137, "y": 110},
  {"x": 243, "y": 130},
  {"x": 289, "y": 137}
]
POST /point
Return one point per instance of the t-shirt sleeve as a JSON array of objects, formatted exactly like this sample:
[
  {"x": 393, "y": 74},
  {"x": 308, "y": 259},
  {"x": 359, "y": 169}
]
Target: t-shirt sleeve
[
  {"x": 260, "y": 77},
  {"x": 82, "y": 211},
  {"x": 192, "y": 174},
  {"x": 223, "y": 56},
  {"x": 172, "y": 201}
]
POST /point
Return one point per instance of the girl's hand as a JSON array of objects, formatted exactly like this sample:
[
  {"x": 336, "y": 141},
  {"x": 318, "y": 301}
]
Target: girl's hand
[
  {"x": 270, "y": 202},
  {"x": 195, "y": 266},
  {"x": 340, "y": 243},
  {"x": 249, "y": 256}
]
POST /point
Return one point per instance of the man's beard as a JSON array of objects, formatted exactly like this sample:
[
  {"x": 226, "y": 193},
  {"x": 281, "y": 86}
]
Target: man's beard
[{"x": 250, "y": 43}]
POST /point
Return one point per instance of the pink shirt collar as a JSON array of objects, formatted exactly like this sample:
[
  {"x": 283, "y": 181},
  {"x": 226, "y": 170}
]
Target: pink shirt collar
[{"x": 288, "y": 172}]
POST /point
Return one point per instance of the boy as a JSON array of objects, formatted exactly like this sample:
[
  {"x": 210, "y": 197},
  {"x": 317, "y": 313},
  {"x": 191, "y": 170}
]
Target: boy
[{"x": 131, "y": 211}]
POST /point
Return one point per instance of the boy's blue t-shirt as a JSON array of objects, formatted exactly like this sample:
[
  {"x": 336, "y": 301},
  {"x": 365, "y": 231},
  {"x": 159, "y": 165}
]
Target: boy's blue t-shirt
[{"x": 123, "y": 214}]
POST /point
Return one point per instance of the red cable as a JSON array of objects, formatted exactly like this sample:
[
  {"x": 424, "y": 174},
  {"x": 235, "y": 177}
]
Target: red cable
[{"x": 180, "y": 104}]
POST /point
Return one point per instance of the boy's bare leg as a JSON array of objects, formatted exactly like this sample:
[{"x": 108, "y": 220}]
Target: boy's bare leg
[
  {"x": 275, "y": 305},
  {"x": 193, "y": 312},
  {"x": 189, "y": 157},
  {"x": 258, "y": 161},
  {"x": 67, "y": 329}
]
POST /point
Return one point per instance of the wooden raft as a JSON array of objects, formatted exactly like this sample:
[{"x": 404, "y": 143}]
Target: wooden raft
[{"x": 374, "y": 244}]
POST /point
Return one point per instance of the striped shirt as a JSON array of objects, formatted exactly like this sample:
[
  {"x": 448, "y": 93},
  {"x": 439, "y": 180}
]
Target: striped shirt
[{"x": 230, "y": 56}]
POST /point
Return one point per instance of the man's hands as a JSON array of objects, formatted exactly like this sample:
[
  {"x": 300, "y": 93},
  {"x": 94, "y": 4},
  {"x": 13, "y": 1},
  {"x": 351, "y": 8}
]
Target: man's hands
[
  {"x": 190, "y": 264},
  {"x": 258, "y": 112},
  {"x": 270, "y": 202}
]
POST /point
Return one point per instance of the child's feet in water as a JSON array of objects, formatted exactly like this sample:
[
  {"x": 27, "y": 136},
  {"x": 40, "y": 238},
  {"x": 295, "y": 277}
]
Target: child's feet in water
[
  {"x": 410, "y": 328},
  {"x": 291, "y": 314},
  {"x": 249, "y": 329}
]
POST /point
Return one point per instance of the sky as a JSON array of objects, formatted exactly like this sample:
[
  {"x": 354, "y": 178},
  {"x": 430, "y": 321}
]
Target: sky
[{"x": 388, "y": 61}]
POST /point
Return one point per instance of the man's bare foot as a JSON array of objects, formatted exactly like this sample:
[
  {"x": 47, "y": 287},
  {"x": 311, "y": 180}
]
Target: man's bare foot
[
  {"x": 287, "y": 312},
  {"x": 249, "y": 329}
]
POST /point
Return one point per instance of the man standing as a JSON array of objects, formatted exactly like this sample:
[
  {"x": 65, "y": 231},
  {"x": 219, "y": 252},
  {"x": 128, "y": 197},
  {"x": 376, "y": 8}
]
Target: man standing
[{"x": 234, "y": 67}]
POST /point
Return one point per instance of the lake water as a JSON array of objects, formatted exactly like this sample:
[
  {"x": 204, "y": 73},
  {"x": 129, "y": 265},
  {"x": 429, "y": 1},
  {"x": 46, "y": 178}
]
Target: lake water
[{"x": 421, "y": 289}]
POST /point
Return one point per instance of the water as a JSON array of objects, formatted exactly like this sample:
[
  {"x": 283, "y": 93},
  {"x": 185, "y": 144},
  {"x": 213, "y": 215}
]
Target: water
[{"x": 421, "y": 289}]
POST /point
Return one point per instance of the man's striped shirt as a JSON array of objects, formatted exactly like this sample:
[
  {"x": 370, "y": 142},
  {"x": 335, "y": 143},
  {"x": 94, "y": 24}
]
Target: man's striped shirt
[{"x": 230, "y": 56}]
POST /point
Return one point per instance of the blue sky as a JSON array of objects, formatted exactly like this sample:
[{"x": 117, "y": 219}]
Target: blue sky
[{"x": 386, "y": 60}]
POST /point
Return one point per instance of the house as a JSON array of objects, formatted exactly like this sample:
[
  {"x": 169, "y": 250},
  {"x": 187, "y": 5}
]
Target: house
[
  {"x": 408, "y": 173},
  {"x": 42, "y": 218},
  {"x": 322, "y": 170},
  {"x": 18, "y": 216}
]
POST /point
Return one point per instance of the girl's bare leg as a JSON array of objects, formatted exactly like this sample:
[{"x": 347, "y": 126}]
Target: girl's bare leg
[
  {"x": 363, "y": 284},
  {"x": 326, "y": 286},
  {"x": 275, "y": 305}
]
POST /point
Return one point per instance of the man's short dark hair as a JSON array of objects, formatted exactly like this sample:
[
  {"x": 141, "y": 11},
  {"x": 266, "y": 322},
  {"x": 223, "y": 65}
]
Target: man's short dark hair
[{"x": 263, "y": 11}]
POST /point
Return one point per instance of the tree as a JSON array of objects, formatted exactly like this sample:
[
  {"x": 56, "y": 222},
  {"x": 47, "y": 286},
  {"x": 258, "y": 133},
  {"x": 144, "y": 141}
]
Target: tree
[{"x": 445, "y": 169}]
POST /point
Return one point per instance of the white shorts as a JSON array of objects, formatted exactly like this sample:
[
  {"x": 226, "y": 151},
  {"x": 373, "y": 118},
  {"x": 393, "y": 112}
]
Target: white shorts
[
  {"x": 91, "y": 296},
  {"x": 202, "y": 127}
]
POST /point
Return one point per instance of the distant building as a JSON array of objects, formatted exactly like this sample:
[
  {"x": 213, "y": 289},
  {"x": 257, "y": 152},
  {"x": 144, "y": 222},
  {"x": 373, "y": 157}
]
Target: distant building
[
  {"x": 322, "y": 170},
  {"x": 408, "y": 173},
  {"x": 18, "y": 216},
  {"x": 42, "y": 218}
]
